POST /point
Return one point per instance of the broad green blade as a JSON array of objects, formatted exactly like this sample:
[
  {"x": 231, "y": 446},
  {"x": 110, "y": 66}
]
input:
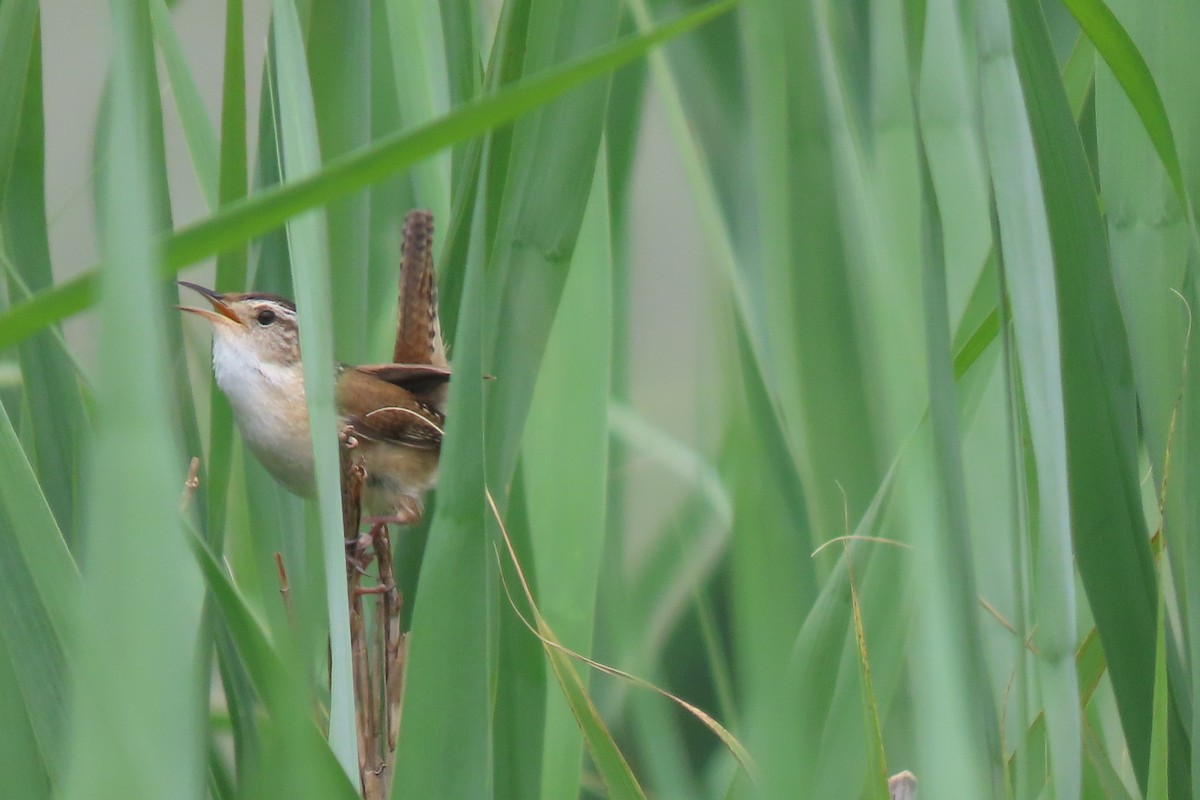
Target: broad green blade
[
  {"x": 136, "y": 719},
  {"x": 19, "y": 38},
  {"x": 231, "y": 274},
  {"x": 57, "y": 416},
  {"x": 1029, "y": 278},
  {"x": 23, "y": 766},
  {"x": 453, "y": 652},
  {"x": 462, "y": 48},
  {"x": 348, "y": 174},
  {"x": 39, "y": 590},
  {"x": 1148, "y": 227},
  {"x": 1151, "y": 233},
  {"x": 1159, "y": 770},
  {"x": 565, "y": 458},
  {"x": 817, "y": 368},
  {"x": 231, "y": 265},
  {"x": 1107, "y": 519},
  {"x": 197, "y": 128},
  {"x": 311, "y": 768},
  {"x": 418, "y": 56},
  {"x": 539, "y": 179},
  {"x": 551, "y": 164},
  {"x": 308, "y": 247},
  {"x": 960, "y": 752},
  {"x": 339, "y": 53},
  {"x": 1132, "y": 72}
]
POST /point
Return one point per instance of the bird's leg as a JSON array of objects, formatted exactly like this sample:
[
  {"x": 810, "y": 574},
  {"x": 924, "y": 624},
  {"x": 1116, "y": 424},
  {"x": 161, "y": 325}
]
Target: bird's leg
[
  {"x": 381, "y": 546},
  {"x": 354, "y": 475}
]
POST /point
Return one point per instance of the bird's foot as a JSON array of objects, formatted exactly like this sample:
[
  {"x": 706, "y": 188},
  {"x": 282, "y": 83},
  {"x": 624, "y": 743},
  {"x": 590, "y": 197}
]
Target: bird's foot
[{"x": 357, "y": 557}]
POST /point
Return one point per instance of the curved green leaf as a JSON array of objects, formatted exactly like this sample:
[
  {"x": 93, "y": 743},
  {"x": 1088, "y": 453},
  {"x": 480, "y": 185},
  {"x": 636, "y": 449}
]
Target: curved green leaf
[{"x": 240, "y": 222}]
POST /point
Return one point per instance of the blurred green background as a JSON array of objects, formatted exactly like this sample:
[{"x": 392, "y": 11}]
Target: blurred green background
[{"x": 840, "y": 386}]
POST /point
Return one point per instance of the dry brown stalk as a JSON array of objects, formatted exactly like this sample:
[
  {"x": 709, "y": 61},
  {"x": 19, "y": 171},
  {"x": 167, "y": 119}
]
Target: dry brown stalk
[{"x": 379, "y": 669}]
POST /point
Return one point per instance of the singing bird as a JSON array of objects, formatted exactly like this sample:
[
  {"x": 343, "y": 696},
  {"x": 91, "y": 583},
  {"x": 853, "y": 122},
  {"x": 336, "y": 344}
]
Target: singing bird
[{"x": 396, "y": 411}]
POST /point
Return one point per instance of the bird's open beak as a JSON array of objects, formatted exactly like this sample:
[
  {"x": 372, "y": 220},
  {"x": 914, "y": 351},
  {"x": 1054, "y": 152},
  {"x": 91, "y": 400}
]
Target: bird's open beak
[{"x": 215, "y": 299}]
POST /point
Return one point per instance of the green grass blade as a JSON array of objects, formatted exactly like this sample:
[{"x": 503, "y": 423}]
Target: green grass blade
[
  {"x": 419, "y": 60},
  {"x": 308, "y": 247},
  {"x": 1127, "y": 64},
  {"x": 452, "y": 656},
  {"x": 314, "y": 770},
  {"x": 136, "y": 721},
  {"x": 518, "y": 740},
  {"x": 269, "y": 209},
  {"x": 197, "y": 128},
  {"x": 538, "y": 181},
  {"x": 18, "y": 35},
  {"x": 1184, "y": 549},
  {"x": 816, "y": 353},
  {"x": 959, "y": 754},
  {"x": 52, "y": 383},
  {"x": 1106, "y": 514},
  {"x": 22, "y": 764},
  {"x": 464, "y": 76},
  {"x": 619, "y": 781},
  {"x": 390, "y": 200},
  {"x": 37, "y": 537},
  {"x": 1151, "y": 237},
  {"x": 39, "y": 587},
  {"x": 535, "y": 185},
  {"x": 231, "y": 264},
  {"x": 340, "y": 68},
  {"x": 551, "y": 166},
  {"x": 1028, "y": 270},
  {"x": 565, "y": 457},
  {"x": 1159, "y": 769}
]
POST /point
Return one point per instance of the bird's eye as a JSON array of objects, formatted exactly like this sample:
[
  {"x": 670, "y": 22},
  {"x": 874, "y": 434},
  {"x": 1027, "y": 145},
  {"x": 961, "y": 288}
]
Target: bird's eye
[{"x": 265, "y": 317}]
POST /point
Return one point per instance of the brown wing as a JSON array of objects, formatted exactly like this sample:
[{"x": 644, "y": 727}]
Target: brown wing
[
  {"x": 427, "y": 383},
  {"x": 377, "y": 410},
  {"x": 406, "y": 374},
  {"x": 418, "y": 330}
]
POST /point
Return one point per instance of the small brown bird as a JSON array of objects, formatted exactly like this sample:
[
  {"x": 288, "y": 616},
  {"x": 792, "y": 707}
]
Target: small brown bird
[{"x": 395, "y": 411}]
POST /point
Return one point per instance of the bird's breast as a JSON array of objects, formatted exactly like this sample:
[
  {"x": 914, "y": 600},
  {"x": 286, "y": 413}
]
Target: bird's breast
[{"x": 269, "y": 406}]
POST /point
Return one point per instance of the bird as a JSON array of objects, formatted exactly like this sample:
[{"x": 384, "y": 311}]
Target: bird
[{"x": 394, "y": 412}]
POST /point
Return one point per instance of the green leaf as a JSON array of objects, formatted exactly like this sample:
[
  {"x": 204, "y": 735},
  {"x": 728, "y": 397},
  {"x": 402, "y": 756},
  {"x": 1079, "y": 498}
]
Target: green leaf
[
  {"x": 39, "y": 589},
  {"x": 19, "y": 36},
  {"x": 269, "y": 209},
  {"x": 1159, "y": 765},
  {"x": 452, "y": 655},
  {"x": 312, "y": 768},
  {"x": 231, "y": 265},
  {"x": 135, "y": 723},
  {"x": 339, "y": 53},
  {"x": 23, "y": 766},
  {"x": 565, "y": 460},
  {"x": 418, "y": 56},
  {"x": 817, "y": 364},
  {"x": 1028, "y": 276},
  {"x": 308, "y": 248},
  {"x": 1109, "y": 533},
  {"x": 960, "y": 753},
  {"x": 1127, "y": 64},
  {"x": 51, "y": 377},
  {"x": 197, "y": 129}
]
